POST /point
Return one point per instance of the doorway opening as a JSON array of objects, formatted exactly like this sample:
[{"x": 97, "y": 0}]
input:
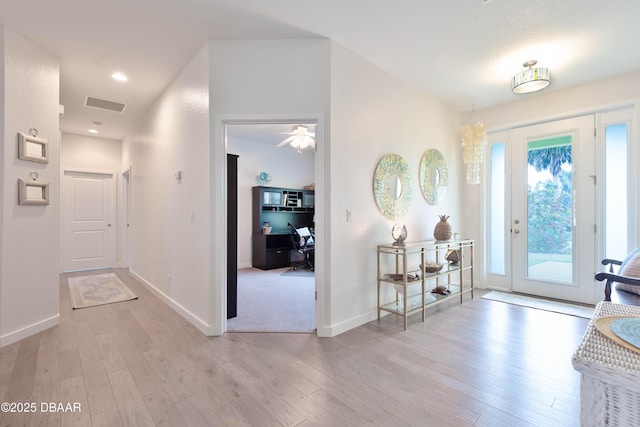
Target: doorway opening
[{"x": 272, "y": 294}]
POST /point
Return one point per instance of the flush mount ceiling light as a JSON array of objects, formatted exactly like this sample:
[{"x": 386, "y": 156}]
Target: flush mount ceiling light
[
  {"x": 531, "y": 79},
  {"x": 300, "y": 138}
]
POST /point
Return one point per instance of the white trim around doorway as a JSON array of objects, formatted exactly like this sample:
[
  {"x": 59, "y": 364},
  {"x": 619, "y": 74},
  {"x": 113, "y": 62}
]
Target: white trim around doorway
[{"x": 218, "y": 238}]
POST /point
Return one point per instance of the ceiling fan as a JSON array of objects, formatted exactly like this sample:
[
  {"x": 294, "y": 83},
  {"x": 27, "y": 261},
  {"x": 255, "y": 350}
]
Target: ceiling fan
[{"x": 300, "y": 138}]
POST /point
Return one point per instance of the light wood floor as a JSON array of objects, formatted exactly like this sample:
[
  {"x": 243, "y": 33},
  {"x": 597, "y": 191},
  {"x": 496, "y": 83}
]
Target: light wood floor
[{"x": 481, "y": 363}]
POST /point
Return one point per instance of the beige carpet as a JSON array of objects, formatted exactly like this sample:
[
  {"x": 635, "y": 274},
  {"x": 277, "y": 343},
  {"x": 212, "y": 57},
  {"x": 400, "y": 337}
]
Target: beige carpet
[
  {"x": 541, "y": 304},
  {"x": 271, "y": 302},
  {"x": 97, "y": 289}
]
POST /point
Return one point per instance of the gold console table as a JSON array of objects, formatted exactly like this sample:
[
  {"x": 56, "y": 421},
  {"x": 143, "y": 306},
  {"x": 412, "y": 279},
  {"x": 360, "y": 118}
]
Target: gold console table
[{"x": 400, "y": 266}]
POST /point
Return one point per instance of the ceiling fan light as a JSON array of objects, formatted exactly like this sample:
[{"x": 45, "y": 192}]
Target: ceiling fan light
[
  {"x": 300, "y": 138},
  {"x": 531, "y": 79}
]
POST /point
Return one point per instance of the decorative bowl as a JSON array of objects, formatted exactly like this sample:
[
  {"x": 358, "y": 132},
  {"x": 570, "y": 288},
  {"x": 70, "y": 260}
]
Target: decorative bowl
[{"x": 432, "y": 267}]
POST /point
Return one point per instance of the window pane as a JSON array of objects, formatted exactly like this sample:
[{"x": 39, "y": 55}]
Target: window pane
[
  {"x": 616, "y": 191},
  {"x": 497, "y": 212},
  {"x": 550, "y": 209}
]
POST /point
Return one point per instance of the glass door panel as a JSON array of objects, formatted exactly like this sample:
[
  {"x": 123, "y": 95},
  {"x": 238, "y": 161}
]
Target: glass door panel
[
  {"x": 616, "y": 191},
  {"x": 550, "y": 209},
  {"x": 497, "y": 211}
]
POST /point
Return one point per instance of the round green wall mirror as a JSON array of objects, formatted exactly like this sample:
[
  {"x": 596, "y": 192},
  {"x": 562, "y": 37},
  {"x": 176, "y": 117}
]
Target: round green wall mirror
[
  {"x": 434, "y": 176},
  {"x": 392, "y": 187}
]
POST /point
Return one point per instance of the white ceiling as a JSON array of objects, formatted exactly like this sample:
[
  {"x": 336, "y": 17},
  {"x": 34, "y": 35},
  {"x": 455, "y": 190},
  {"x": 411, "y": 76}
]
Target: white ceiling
[
  {"x": 266, "y": 133},
  {"x": 464, "y": 52}
]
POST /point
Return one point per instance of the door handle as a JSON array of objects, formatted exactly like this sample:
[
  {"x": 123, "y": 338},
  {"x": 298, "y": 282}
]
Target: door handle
[
  {"x": 516, "y": 231},
  {"x": 108, "y": 225}
]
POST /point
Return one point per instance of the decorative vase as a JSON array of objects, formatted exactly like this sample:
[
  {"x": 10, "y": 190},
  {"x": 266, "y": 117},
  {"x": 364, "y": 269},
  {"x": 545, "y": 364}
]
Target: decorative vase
[{"x": 443, "y": 229}]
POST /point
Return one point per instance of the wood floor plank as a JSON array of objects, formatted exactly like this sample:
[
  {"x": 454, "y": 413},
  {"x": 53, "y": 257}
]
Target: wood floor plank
[
  {"x": 220, "y": 409},
  {"x": 254, "y": 412},
  {"x": 8, "y": 357},
  {"x": 162, "y": 409},
  {"x": 177, "y": 384},
  {"x": 109, "y": 352},
  {"x": 70, "y": 364},
  {"x": 46, "y": 392},
  {"x": 107, "y": 419},
  {"x": 99, "y": 393},
  {"x": 194, "y": 414},
  {"x": 72, "y": 392},
  {"x": 131, "y": 405},
  {"x": 24, "y": 371}
]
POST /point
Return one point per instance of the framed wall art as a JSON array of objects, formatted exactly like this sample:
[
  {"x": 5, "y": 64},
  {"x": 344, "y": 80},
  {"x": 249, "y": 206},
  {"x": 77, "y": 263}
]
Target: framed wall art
[
  {"x": 33, "y": 148},
  {"x": 33, "y": 192}
]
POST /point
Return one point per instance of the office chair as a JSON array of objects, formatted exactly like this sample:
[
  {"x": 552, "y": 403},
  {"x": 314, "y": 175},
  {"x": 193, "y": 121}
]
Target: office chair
[{"x": 301, "y": 253}]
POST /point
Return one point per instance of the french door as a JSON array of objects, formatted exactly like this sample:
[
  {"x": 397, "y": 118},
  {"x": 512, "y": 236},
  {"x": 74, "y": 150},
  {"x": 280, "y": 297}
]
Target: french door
[{"x": 553, "y": 209}]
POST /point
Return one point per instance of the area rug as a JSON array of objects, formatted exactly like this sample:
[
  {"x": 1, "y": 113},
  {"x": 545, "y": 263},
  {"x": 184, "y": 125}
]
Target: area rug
[
  {"x": 541, "y": 304},
  {"x": 301, "y": 272},
  {"x": 97, "y": 289}
]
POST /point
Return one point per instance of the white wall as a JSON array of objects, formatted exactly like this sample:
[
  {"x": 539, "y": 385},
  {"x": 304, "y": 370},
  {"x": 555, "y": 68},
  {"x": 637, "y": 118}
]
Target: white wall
[
  {"x": 596, "y": 97},
  {"x": 288, "y": 169},
  {"x": 88, "y": 153},
  {"x": 169, "y": 246},
  {"x": 374, "y": 114},
  {"x": 29, "y": 281}
]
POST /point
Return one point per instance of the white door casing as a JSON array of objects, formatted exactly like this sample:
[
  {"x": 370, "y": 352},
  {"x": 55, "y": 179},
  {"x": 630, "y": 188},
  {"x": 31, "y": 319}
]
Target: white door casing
[
  {"x": 126, "y": 212},
  {"x": 89, "y": 221}
]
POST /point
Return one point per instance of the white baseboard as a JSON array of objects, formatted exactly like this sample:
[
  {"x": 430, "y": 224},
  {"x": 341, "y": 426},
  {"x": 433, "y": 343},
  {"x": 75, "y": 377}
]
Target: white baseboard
[
  {"x": 202, "y": 326},
  {"x": 27, "y": 331},
  {"x": 332, "y": 331}
]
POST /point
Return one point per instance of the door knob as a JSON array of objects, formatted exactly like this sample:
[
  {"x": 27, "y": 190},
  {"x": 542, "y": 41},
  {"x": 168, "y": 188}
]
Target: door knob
[
  {"x": 108, "y": 225},
  {"x": 517, "y": 221},
  {"x": 516, "y": 231}
]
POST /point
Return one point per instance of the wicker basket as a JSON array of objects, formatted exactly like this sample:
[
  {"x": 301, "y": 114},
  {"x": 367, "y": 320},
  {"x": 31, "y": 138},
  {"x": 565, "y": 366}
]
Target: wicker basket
[{"x": 610, "y": 391}]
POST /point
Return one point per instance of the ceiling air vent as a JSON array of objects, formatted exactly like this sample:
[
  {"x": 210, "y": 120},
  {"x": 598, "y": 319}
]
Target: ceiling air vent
[{"x": 104, "y": 104}]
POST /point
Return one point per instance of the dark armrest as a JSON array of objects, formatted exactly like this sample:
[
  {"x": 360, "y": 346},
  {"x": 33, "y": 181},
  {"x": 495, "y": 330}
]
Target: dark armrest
[
  {"x": 611, "y": 261},
  {"x": 610, "y": 277}
]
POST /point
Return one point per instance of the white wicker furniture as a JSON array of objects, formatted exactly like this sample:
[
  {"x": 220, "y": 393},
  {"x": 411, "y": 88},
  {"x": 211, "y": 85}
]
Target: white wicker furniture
[{"x": 610, "y": 387}]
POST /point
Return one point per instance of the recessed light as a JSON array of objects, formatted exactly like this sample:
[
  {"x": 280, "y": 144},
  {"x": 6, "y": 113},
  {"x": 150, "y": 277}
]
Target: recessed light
[
  {"x": 92, "y": 131},
  {"x": 119, "y": 76}
]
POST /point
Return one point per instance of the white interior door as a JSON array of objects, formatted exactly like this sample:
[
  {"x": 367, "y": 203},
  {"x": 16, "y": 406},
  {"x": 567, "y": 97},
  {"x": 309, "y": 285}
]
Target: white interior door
[
  {"x": 89, "y": 212},
  {"x": 553, "y": 210}
]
